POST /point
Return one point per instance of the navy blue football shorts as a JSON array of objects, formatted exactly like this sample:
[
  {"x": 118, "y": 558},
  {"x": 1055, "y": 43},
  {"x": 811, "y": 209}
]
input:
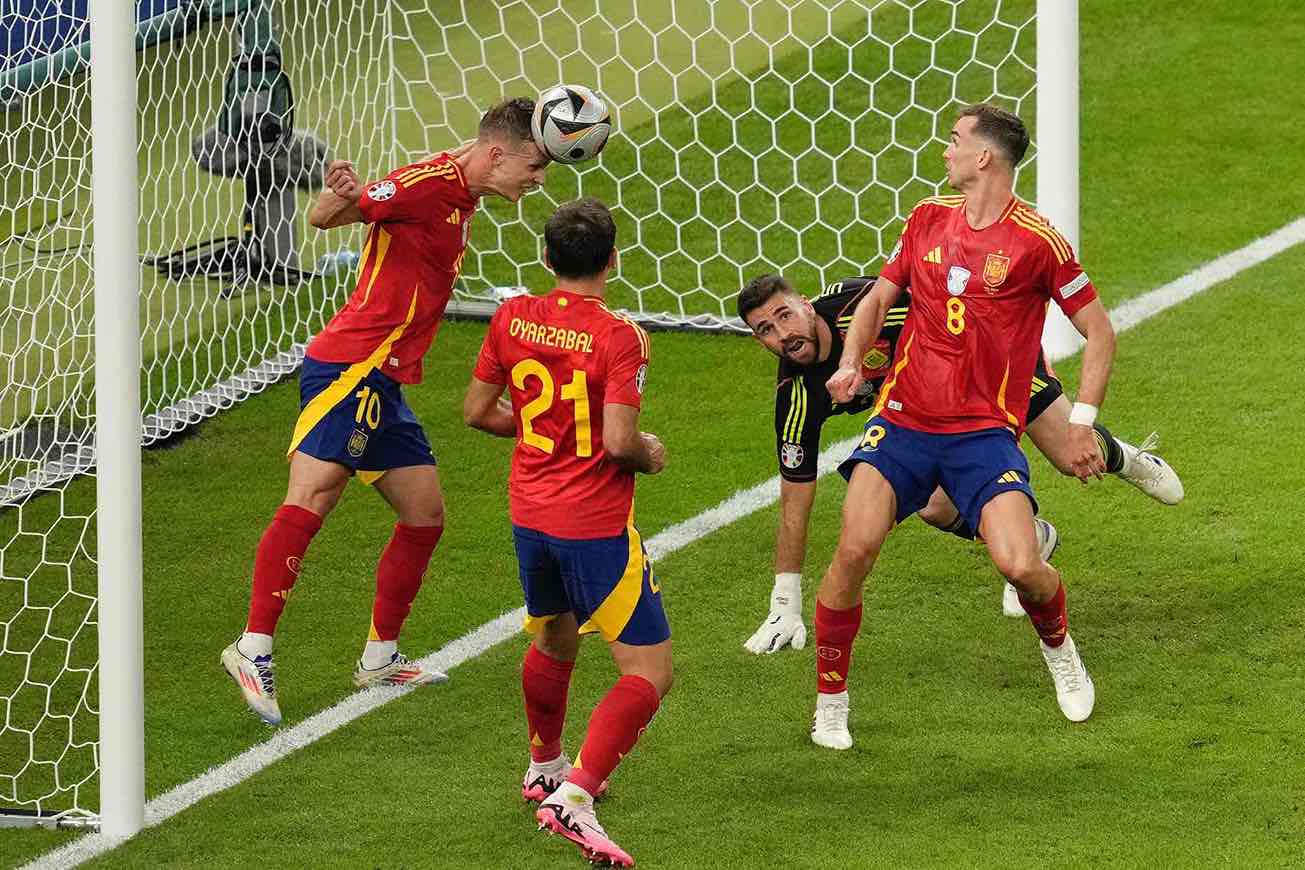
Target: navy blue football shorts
[
  {"x": 971, "y": 467},
  {"x": 607, "y": 582},
  {"x": 355, "y": 415}
]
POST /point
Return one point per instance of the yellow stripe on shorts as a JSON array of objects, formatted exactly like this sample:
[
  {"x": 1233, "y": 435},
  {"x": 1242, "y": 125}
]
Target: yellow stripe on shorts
[{"x": 614, "y": 613}]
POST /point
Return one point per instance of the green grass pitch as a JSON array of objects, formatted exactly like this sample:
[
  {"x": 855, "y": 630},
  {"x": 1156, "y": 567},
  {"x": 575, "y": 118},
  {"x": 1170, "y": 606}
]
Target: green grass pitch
[{"x": 1189, "y": 618}]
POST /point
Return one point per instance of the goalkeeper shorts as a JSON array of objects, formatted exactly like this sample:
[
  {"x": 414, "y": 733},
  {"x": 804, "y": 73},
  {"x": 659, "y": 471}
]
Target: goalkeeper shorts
[
  {"x": 608, "y": 583},
  {"x": 357, "y": 418}
]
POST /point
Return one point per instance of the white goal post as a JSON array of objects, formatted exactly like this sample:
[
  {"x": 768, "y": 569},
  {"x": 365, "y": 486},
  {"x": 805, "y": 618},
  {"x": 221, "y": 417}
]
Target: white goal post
[{"x": 751, "y": 136}]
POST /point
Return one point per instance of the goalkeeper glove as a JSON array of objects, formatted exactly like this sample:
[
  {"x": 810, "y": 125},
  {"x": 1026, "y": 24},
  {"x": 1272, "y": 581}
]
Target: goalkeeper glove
[{"x": 783, "y": 626}]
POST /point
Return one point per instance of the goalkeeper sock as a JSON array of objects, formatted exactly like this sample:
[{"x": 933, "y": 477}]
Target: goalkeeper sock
[
  {"x": 959, "y": 527},
  {"x": 614, "y": 728},
  {"x": 276, "y": 565},
  {"x": 835, "y": 632},
  {"x": 1050, "y": 619},
  {"x": 544, "y": 684},
  {"x": 398, "y": 577},
  {"x": 1110, "y": 449}
]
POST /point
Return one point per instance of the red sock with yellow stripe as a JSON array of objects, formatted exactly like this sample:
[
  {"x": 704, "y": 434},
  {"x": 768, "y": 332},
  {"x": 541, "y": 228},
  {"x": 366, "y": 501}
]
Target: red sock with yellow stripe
[
  {"x": 1050, "y": 619},
  {"x": 614, "y": 728},
  {"x": 398, "y": 577},
  {"x": 276, "y": 565},
  {"x": 835, "y": 632},
  {"x": 544, "y": 685}
]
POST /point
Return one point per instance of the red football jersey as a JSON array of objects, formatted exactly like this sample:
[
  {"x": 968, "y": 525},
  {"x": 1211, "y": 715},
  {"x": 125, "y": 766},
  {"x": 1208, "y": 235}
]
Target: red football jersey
[
  {"x": 966, "y": 356},
  {"x": 420, "y": 219},
  {"x": 563, "y": 357}
]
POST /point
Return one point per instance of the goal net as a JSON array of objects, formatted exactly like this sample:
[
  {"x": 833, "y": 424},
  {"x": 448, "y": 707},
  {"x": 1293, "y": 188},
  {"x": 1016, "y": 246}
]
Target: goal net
[{"x": 751, "y": 136}]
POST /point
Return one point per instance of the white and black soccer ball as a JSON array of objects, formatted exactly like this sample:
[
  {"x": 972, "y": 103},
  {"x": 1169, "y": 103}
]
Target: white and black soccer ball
[{"x": 571, "y": 123}]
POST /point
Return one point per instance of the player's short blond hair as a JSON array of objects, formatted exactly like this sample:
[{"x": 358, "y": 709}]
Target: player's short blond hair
[{"x": 508, "y": 119}]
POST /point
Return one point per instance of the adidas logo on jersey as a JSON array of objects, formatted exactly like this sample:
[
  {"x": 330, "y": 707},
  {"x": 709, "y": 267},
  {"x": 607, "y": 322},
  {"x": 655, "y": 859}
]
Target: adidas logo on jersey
[
  {"x": 934, "y": 256},
  {"x": 454, "y": 217}
]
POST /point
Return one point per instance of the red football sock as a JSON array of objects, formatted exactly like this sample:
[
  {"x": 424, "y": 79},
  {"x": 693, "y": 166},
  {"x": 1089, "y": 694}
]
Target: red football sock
[
  {"x": 1049, "y": 618},
  {"x": 614, "y": 728},
  {"x": 398, "y": 577},
  {"x": 835, "y": 631},
  {"x": 276, "y": 564},
  {"x": 544, "y": 684}
]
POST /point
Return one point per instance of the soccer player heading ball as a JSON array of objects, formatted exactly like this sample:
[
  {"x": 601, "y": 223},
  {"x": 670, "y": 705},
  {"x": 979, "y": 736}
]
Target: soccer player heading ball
[
  {"x": 575, "y": 373},
  {"x": 354, "y": 420},
  {"x": 981, "y": 268}
]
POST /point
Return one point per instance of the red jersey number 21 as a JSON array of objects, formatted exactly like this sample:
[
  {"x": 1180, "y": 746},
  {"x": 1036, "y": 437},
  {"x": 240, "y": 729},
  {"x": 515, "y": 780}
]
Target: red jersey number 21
[{"x": 576, "y": 392}]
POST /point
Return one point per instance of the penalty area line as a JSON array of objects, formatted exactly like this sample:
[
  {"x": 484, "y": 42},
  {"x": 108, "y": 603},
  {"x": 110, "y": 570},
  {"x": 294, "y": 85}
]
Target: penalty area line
[{"x": 287, "y": 740}]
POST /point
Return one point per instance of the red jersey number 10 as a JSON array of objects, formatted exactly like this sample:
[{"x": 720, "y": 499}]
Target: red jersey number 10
[{"x": 576, "y": 391}]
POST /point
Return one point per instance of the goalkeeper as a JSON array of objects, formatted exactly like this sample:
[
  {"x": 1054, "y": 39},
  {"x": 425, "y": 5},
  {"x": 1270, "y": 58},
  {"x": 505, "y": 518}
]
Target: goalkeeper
[{"x": 808, "y": 339}]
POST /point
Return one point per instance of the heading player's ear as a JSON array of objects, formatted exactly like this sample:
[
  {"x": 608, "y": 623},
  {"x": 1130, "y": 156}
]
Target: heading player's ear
[
  {"x": 612, "y": 260},
  {"x": 547, "y": 264}
]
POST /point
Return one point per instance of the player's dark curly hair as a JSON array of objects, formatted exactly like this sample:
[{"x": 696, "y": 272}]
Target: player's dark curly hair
[
  {"x": 758, "y": 291},
  {"x": 509, "y": 118},
  {"x": 1000, "y": 127},
  {"x": 579, "y": 238}
]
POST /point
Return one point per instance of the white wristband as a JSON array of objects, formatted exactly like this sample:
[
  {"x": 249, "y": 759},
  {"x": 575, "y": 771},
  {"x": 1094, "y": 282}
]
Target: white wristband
[
  {"x": 787, "y": 593},
  {"x": 1083, "y": 414}
]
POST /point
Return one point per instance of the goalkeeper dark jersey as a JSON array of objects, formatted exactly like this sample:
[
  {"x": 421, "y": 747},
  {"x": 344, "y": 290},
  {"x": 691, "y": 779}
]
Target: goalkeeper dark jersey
[{"x": 803, "y": 404}]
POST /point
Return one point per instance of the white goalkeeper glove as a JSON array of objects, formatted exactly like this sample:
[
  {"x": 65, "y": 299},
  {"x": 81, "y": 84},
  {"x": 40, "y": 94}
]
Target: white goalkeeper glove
[{"x": 783, "y": 626}]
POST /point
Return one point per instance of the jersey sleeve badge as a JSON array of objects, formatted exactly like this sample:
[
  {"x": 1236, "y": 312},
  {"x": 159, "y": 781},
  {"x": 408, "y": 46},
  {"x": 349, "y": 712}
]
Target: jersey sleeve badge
[{"x": 381, "y": 190}]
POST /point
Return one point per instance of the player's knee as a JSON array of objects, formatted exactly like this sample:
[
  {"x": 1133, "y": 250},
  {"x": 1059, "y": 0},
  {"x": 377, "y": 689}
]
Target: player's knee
[
  {"x": 939, "y": 512},
  {"x": 1020, "y": 568},
  {"x": 858, "y": 551}
]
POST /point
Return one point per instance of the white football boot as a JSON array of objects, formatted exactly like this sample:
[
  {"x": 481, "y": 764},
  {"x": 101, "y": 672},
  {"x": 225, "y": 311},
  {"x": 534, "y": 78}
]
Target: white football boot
[
  {"x": 829, "y": 725},
  {"x": 1048, "y": 541},
  {"x": 569, "y": 811},
  {"x": 256, "y": 678},
  {"x": 1074, "y": 690},
  {"x": 399, "y": 672},
  {"x": 1149, "y": 472}
]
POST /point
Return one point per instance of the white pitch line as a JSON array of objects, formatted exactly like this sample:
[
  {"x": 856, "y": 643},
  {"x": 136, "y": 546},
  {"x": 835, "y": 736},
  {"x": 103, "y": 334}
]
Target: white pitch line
[{"x": 737, "y": 506}]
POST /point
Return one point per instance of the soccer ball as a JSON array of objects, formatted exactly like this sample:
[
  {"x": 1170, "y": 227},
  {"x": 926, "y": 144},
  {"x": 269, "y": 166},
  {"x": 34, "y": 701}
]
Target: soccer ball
[{"x": 570, "y": 123}]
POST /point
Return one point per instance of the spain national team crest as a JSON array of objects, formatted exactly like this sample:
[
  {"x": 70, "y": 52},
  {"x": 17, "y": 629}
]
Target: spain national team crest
[
  {"x": 995, "y": 267},
  {"x": 357, "y": 443},
  {"x": 876, "y": 358},
  {"x": 957, "y": 278}
]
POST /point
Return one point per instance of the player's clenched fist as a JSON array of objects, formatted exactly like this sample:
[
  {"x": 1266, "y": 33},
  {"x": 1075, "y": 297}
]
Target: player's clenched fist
[
  {"x": 1085, "y": 454},
  {"x": 843, "y": 384},
  {"x": 343, "y": 180},
  {"x": 656, "y": 452}
]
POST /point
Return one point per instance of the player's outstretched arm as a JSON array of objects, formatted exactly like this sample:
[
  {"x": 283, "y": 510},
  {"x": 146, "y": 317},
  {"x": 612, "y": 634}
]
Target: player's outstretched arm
[
  {"x": 783, "y": 625},
  {"x": 867, "y": 322},
  {"x": 1093, "y": 323},
  {"x": 625, "y": 445},
  {"x": 337, "y": 204},
  {"x": 482, "y": 409}
]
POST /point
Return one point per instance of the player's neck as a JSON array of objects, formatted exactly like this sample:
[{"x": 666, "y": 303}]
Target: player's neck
[
  {"x": 474, "y": 164},
  {"x": 987, "y": 199},
  {"x": 584, "y": 287}
]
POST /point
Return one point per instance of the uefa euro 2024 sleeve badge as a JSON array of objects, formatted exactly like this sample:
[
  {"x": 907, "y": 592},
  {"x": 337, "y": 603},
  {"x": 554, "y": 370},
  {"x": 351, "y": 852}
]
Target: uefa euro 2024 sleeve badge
[{"x": 957, "y": 278}]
